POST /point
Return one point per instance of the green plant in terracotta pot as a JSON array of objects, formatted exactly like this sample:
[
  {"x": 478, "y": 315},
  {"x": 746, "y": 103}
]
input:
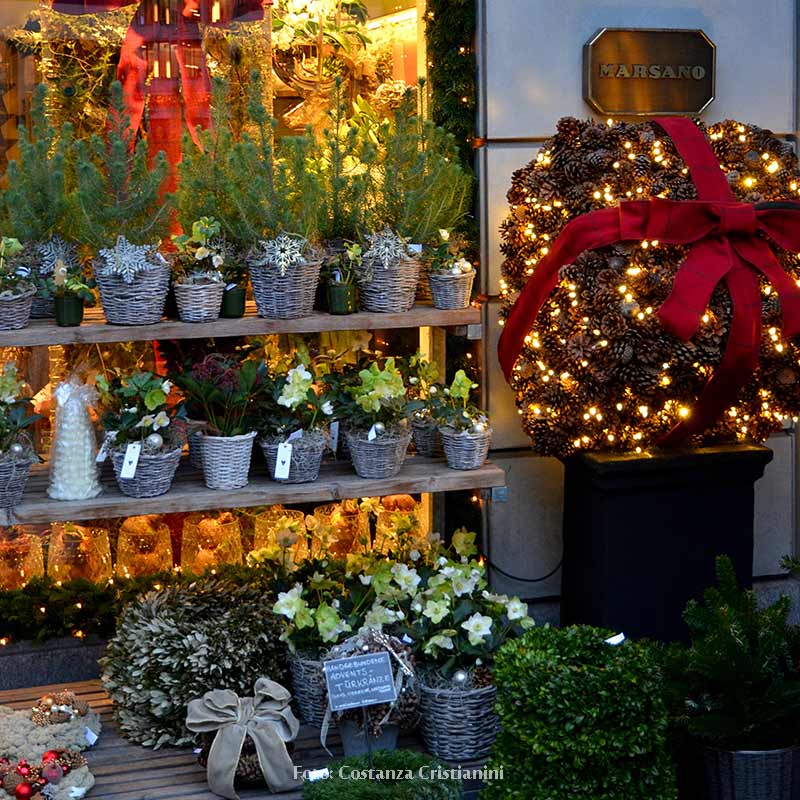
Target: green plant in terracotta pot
[
  {"x": 341, "y": 280},
  {"x": 71, "y": 292}
]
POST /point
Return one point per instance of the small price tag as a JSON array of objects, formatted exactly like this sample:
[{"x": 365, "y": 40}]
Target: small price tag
[
  {"x": 295, "y": 435},
  {"x": 415, "y": 248},
  {"x": 91, "y": 736},
  {"x": 283, "y": 462},
  {"x": 333, "y": 432},
  {"x": 373, "y": 434},
  {"x": 132, "y": 453},
  {"x": 230, "y": 287},
  {"x": 616, "y": 640}
]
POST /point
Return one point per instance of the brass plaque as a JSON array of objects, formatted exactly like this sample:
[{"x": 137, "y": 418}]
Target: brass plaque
[{"x": 633, "y": 72}]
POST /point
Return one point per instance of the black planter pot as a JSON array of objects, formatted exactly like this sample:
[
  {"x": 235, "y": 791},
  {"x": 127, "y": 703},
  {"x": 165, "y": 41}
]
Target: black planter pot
[
  {"x": 641, "y": 533},
  {"x": 68, "y": 311},
  {"x": 753, "y": 774},
  {"x": 233, "y": 303},
  {"x": 171, "y": 305},
  {"x": 342, "y": 298}
]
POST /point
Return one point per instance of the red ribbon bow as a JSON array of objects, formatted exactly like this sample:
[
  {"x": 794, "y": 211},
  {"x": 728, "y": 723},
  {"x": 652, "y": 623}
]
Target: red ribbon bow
[{"x": 728, "y": 241}]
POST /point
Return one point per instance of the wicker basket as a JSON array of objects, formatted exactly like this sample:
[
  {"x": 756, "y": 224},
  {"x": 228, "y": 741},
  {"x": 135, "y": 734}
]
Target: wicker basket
[
  {"x": 465, "y": 450},
  {"x": 196, "y": 449},
  {"x": 458, "y": 724},
  {"x": 380, "y": 458},
  {"x": 13, "y": 477},
  {"x": 286, "y": 296},
  {"x": 310, "y": 693},
  {"x": 306, "y": 459},
  {"x": 154, "y": 473},
  {"x": 753, "y": 774},
  {"x": 138, "y": 303},
  {"x": 451, "y": 291},
  {"x": 389, "y": 290},
  {"x": 427, "y": 440},
  {"x": 226, "y": 460},
  {"x": 199, "y": 302},
  {"x": 43, "y": 308},
  {"x": 15, "y": 312}
]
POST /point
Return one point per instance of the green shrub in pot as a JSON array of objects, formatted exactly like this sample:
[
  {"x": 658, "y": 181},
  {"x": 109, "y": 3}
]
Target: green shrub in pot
[{"x": 580, "y": 718}]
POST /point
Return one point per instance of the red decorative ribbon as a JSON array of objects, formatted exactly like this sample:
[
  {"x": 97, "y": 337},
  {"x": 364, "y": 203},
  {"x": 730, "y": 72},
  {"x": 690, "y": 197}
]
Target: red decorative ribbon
[{"x": 728, "y": 241}]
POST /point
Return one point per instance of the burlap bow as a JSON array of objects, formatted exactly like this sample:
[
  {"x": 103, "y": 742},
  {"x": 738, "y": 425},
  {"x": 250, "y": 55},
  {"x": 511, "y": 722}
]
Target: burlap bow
[{"x": 265, "y": 718}]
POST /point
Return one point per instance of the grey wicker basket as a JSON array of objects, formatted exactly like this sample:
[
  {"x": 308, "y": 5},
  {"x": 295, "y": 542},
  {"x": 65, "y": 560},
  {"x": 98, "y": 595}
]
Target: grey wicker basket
[
  {"x": 382, "y": 457},
  {"x": 140, "y": 302},
  {"x": 196, "y": 449},
  {"x": 199, "y": 302},
  {"x": 458, "y": 724},
  {"x": 310, "y": 693},
  {"x": 307, "y": 453},
  {"x": 451, "y": 291},
  {"x": 13, "y": 477},
  {"x": 427, "y": 440},
  {"x": 15, "y": 311},
  {"x": 388, "y": 290},
  {"x": 226, "y": 460},
  {"x": 288, "y": 296},
  {"x": 753, "y": 774},
  {"x": 465, "y": 450},
  {"x": 43, "y": 308},
  {"x": 154, "y": 473}
]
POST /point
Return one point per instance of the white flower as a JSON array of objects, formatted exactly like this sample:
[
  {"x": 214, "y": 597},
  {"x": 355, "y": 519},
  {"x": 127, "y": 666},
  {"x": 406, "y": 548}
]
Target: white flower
[
  {"x": 501, "y": 599},
  {"x": 434, "y": 390},
  {"x": 444, "y": 234},
  {"x": 217, "y": 260},
  {"x": 406, "y": 577},
  {"x": 146, "y": 421},
  {"x": 327, "y": 408},
  {"x": 462, "y": 585},
  {"x": 415, "y": 555},
  {"x": 417, "y": 607},
  {"x": 413, "y": 381},
  {"x": 161, "y": 420},
  {"x": 201, "y": 253},
  {"x": 366, "y": 580},
  {"x": 478, "y": 627},
  {"x": 166, "y": 387},
  {"x": 288, "y": 602},
  {"x": 516, "y": 609},
  {"x": 441, "y": 561},
  {"x": 440, "y": 641}
]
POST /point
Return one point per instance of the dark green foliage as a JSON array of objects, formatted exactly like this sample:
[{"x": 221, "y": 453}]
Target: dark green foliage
[
  {"x": 119, "y": 192},
  {"x": 421, "y": 785},
  {"x": 580, "y": 719},
  {"x": 39, "y": 184},
  {"x": 738, "y": 685}
]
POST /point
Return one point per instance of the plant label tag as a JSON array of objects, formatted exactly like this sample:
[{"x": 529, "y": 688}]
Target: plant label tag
[
  {"x": 360, "y": 681},
  {"x": 102, "y": 453},
  {"x": 132, "y": 453},
  {"x": 230, "y": 287},
  {"x": 415, "y": 248},
  {"x": 372, "y": 435},
  {"x": 283, "y": 462},
  {"x": 333, "y": 442},
  {"x": 616, "y": 640},
  {"x": 91, "y": 736},
  {"x": 295, "y": 435}
]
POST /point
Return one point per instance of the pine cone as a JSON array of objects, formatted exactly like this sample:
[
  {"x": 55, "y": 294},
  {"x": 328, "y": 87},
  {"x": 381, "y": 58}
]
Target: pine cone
[
  {"x": 569, "y": 128},
  {"x": 641, "y": 167}
]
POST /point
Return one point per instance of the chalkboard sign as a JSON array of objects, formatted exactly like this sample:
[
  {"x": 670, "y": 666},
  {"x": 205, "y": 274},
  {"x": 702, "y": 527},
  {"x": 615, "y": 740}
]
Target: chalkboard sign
[{"x": 360, "y": 681}]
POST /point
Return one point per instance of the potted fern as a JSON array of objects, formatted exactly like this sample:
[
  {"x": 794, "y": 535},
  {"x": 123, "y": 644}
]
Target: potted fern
[
  {"x": 122, "y": 215},
  {"x": 16, "y": 287},
  {"x": 37, "y": 203},
  {"x": 196, "y": 272}
]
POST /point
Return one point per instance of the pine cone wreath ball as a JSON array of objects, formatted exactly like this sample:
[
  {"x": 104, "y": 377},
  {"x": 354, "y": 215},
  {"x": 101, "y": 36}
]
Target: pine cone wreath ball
[{"x": 598, "y": 371}]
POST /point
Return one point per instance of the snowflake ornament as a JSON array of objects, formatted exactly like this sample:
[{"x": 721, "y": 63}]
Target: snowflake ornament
[
  {"x": 53, "y": 251},
  {"x": 284, "y": 251},
  {"x": 386, "y": 248},
  {"x": 127, "y": 260}
]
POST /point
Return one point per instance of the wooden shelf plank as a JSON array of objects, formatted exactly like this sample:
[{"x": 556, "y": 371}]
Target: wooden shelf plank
[
  {"x": 96, "y": 330},
  {"x": 189, "y": 493}
]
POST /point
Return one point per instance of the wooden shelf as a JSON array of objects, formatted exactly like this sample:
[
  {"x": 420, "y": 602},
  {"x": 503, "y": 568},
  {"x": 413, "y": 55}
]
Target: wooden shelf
[
  {"x": 189, "y": 493},
  {"x": 96, "y": 330}
]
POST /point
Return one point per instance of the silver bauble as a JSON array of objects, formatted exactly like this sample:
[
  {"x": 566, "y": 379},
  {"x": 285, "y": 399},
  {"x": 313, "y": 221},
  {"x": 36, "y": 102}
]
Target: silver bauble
[{"x": 154, "y": 441}]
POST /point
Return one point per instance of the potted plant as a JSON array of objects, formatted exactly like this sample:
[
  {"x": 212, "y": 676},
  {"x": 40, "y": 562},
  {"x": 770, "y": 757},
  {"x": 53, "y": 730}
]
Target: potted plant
[
  {"x": 16, "y": 448},
  {"x": 388, "y": 273},
  {"x": 377, "y": 421},
  {"x": 340, "y": 272},
  {"x": 16, "y": 288},
  {"x": 223, "y": 388},
  {"x": 450, "y": 275},
  {"x": 293, "y": 410},
  {"x": 71, "y": 293},
  {"x": 456, "y": 625},
  {"x": 421, "y": 376},
  {"x": 234, "y": 274},
  {"x": 464, "y": 428},
  {"x": 37, "y": 201},
  {"x": 121, "y": 213},
  {"x": 143, "y": 435},
  {"x": 196, "y": 272},
  {"x": 738, "y": 690}
]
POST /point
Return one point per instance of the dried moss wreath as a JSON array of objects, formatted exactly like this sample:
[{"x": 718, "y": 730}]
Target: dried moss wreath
[{"x": 598, "y": 371}]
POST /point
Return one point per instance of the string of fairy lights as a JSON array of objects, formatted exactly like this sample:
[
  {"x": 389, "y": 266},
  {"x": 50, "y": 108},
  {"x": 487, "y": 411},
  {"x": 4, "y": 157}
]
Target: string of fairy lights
[{"x": 597, "y": 370}]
